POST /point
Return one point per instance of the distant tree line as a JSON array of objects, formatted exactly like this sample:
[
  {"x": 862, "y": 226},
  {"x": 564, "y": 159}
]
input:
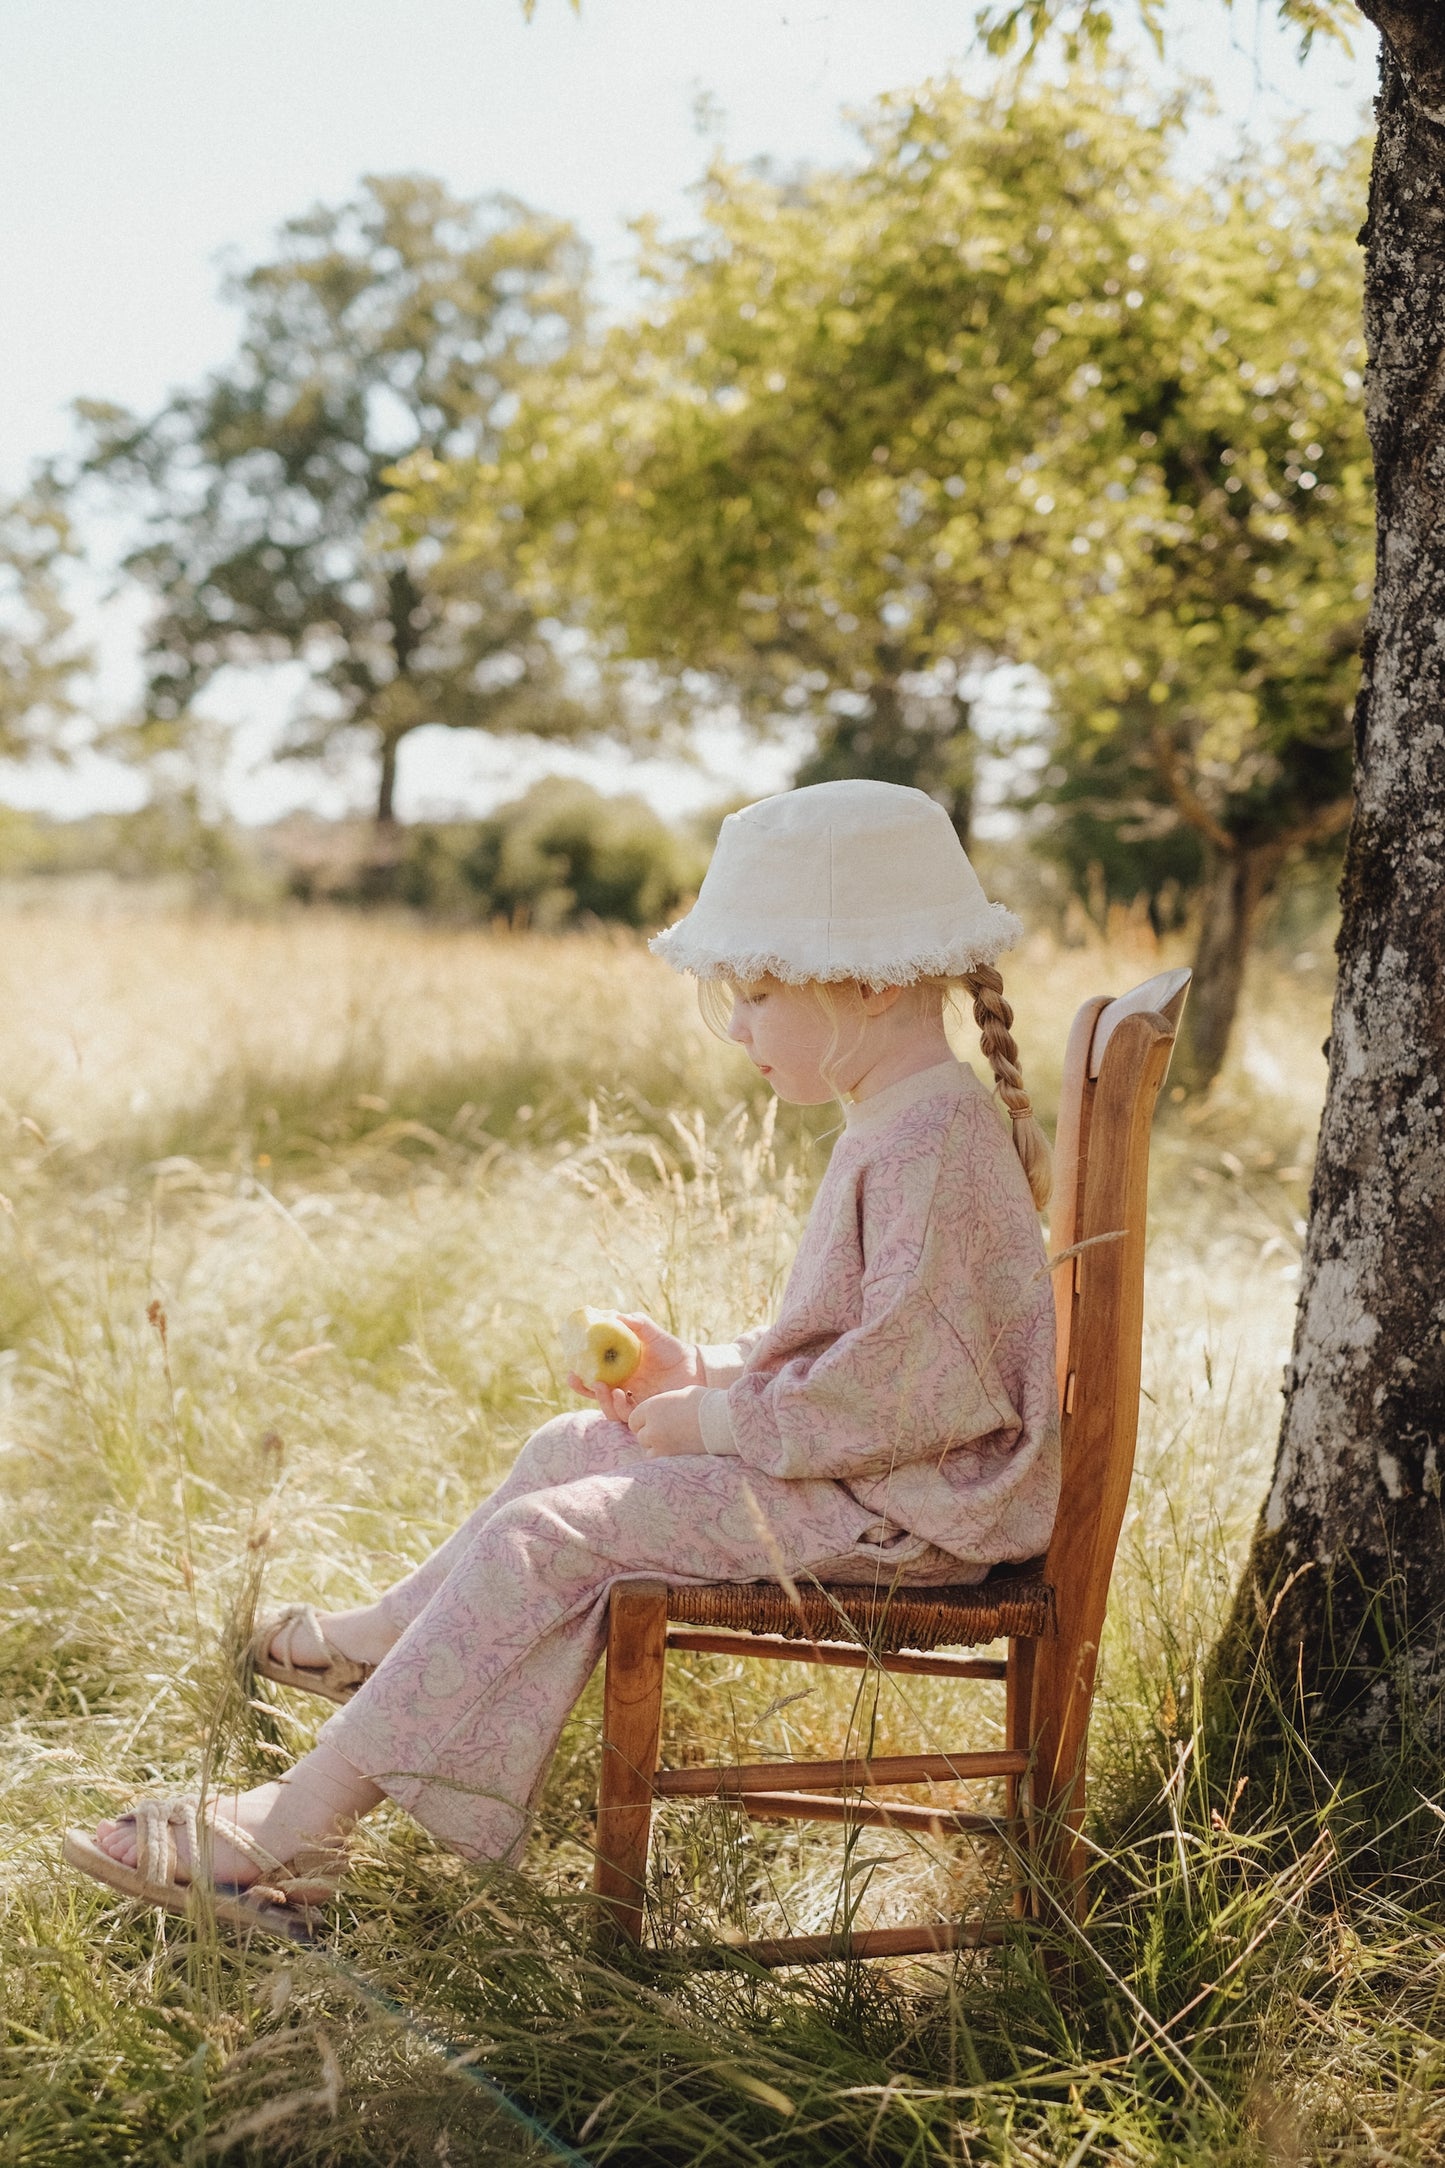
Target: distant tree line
[
  {"x": 561, "y": 855},
  {"x": 1008, "y": 389}
]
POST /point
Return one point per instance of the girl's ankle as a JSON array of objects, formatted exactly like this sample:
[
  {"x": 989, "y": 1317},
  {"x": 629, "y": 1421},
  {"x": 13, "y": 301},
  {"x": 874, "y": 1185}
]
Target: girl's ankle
[{"x": 364, "y": 1634}]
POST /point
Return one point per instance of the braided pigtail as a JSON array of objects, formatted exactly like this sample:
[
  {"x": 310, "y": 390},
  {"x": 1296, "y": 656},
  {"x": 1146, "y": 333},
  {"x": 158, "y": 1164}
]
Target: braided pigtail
[{"x": 995, "y": 1027}]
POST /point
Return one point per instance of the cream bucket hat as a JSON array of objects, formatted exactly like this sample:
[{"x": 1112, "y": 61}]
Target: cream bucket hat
[{"x": 848, "y": 880}]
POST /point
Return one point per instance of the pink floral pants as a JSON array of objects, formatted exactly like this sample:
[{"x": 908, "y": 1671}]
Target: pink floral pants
[{"x": 502, "y": 1626}]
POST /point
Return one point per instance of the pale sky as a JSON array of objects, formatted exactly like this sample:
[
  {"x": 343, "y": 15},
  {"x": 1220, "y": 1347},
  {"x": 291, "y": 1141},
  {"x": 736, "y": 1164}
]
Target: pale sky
[{"x": 142, "y": 141}]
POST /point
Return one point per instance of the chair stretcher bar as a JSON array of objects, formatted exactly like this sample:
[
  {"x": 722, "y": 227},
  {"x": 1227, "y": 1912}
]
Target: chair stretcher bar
[
  {"x": 869, "y": 1813},
  {"x": 931, "y": 1940},
  {"x": 837, "y": 1653},
  {"x": 715, "y": 1782}
]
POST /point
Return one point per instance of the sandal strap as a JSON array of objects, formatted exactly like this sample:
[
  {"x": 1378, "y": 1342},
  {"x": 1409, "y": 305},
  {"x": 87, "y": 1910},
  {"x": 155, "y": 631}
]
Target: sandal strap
[
  {"x": 155, "y": 1816},
  {"x": 154, "y": 1819},
  {"x": 281, "y": 1635},
  {"x": 241, "y": 1840}
]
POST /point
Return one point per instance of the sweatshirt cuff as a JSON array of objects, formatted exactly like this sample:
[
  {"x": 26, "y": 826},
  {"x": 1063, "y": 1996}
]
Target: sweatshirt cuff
[
  {"x": 721, "y": 1364},
  {"x": 715, "y": 1423}
]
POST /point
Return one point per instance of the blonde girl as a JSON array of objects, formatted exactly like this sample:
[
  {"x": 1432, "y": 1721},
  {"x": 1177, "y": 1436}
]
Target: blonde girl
[{"x": 897, "y": 1416}]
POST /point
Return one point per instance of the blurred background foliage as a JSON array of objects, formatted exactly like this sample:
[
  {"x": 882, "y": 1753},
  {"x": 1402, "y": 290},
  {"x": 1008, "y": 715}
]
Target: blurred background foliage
[
  {"x": 560, "y": 856},
  {"x": 1010, "y": 389},
  {"x": 40, "y": 660},
  {"x": 403, "y": 318}
]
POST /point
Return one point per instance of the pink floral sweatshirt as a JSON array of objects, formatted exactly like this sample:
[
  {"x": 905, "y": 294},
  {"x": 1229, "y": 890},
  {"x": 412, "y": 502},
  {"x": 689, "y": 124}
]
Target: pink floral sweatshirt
[{"x": 912, "y": 1359}]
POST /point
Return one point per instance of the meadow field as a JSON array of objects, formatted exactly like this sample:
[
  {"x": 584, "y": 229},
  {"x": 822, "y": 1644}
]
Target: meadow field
[{"x": 292, "y": 1209}]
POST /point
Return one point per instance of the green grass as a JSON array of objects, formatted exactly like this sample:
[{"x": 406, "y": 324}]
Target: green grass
[{"x": 364, "y": 1169}]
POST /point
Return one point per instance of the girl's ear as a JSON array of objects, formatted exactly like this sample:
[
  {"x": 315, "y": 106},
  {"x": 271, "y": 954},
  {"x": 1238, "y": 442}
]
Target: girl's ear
[{"x": 877, "y": 1000}]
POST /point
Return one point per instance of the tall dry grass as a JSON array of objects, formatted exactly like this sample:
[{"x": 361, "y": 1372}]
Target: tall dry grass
[{"x": 364, "y": 1168}]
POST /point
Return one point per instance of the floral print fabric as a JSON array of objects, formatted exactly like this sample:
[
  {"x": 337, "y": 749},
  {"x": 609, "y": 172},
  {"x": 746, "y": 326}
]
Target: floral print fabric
[
  {"x": 502, "y": 1627},
  {"x": 912, "y": 1358},
  {"x": 898, "y": 1419}
]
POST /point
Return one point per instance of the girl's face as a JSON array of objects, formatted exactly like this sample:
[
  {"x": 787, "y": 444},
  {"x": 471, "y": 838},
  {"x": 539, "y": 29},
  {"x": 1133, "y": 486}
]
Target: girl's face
[{"x": 788, "y": 1035}]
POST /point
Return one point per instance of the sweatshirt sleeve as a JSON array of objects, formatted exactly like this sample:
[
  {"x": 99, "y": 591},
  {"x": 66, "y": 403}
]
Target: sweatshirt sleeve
[
  {"x": 728, "y": 1360},
  {"x": 900, "y": 1387}
]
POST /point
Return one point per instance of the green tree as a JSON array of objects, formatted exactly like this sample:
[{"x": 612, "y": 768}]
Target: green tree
[
  {"x": 840, "y": 460},
  {"x": 405, "y": 320},
  {"x": 1010, "y": 389},
  {"x": 1224, "y": 719},
  {"x": 39, "y": 656},
  {"x": 1343, "y": 1596}
]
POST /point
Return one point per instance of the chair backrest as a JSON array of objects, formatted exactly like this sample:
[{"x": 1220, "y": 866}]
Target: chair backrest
[
  {"x": 1116, "y": 1060},
  {"x": 1093, "y": 1028}
]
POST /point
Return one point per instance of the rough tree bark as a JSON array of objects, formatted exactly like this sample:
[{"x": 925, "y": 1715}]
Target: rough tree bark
[{"x": 1346, "y": 1580}]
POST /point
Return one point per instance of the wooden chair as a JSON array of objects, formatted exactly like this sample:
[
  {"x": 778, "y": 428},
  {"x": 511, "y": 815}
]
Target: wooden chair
[{"x": 1051, "y": 1611}]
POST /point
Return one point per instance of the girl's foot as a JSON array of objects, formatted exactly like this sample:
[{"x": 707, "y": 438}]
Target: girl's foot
[
  {"x": 310, "y": 1808},
  {"x": 361, "y": 1634},
  {"x": 252, "y": 1810}
]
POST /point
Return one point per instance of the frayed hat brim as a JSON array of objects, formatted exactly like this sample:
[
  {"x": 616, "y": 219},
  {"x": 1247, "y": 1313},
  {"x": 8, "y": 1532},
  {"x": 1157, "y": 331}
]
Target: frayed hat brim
[{"x": 875, "y": 961}]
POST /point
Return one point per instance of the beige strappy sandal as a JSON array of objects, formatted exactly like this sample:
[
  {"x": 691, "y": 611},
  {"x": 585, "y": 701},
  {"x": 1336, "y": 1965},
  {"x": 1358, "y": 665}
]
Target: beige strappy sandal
[
  {"x": 337, "y": 1680},
  {"x": 283, "y": 1901}
]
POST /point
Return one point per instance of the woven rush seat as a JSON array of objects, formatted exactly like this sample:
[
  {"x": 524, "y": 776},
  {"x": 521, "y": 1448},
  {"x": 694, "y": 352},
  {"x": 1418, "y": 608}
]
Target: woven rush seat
[{"x": 1016, "y": 1604}]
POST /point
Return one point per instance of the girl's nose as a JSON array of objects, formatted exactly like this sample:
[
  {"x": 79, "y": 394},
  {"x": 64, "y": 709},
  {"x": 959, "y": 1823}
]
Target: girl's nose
[{"x": 738, "y": 1024}]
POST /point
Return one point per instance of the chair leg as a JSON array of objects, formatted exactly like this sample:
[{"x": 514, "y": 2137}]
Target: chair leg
[
  {"x": 1018, "y": 1732},
  {"x": 631, "y": 1725},
  {"x": 1063, "y": 1696}
]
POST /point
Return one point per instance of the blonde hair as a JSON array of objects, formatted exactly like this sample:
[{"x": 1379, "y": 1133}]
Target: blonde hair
[{"x": 994, "y": 1017}]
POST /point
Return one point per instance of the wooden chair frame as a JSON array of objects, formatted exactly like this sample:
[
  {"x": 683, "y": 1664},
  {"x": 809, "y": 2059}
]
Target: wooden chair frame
[{"x": 1051, "y": 1611}]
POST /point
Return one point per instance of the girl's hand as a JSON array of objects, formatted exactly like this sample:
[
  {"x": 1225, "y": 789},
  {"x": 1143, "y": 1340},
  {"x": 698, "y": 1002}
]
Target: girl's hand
[
  {"x": 667, "y": 1423},
  {"x": 667, "y": 1365}
]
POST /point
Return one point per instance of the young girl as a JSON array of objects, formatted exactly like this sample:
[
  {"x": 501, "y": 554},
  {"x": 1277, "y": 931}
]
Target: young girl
[{"x": 897, "y": 1418}]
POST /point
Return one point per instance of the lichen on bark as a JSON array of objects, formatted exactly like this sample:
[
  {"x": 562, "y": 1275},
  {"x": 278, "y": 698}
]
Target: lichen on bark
[{"x": 1345, "y": 1583}]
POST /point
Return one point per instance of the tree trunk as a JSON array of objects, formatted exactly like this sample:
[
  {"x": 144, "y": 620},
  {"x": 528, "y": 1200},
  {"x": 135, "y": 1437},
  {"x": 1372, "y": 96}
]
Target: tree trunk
[
  {"x": 1350, "y": 1549},
  {"x": 924, "y": 743},
  {"x": 1237, "y": 883},
  {"x": 402, "y": 604},
  {"x": 386, "y": 790}
]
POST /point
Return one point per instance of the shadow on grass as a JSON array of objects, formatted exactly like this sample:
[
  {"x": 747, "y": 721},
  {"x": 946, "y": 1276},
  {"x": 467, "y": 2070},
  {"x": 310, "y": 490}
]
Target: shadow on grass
[{"x": 1259, "y": 1980}]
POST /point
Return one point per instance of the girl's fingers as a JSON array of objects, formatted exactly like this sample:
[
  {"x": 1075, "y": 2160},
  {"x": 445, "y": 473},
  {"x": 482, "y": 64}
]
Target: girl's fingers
[
  {"x": 655, "y": 1339},
  {"x": 608, "y": 1398}
]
